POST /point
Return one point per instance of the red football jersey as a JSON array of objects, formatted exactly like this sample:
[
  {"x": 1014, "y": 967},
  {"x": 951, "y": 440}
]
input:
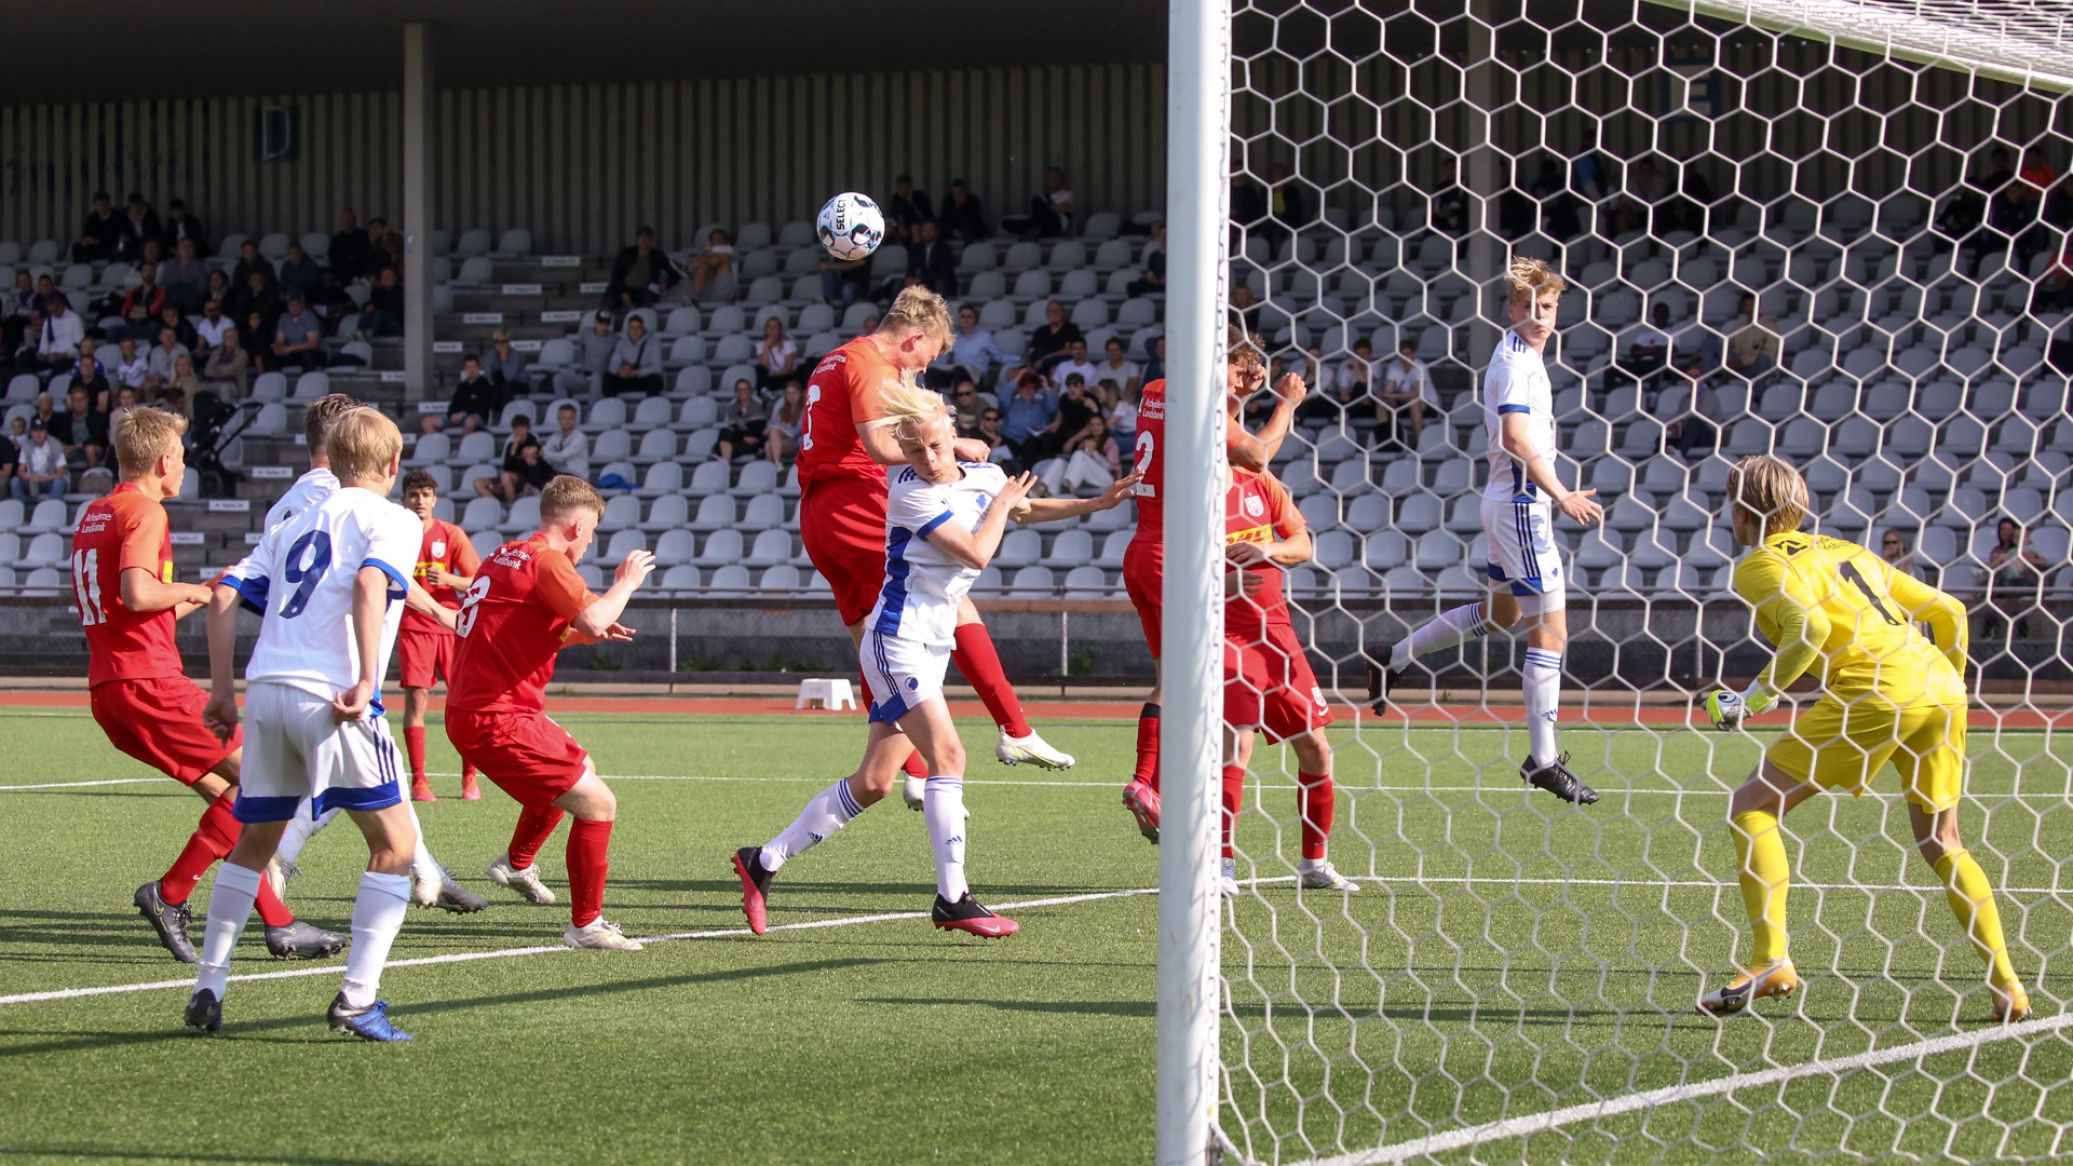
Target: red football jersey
[
  {"x": 1150, "y": 458},
  {"x": 1257, "y": 509},
  {"x": 513, "y": 621},
  {"x": 445, "y": 548},
  {"x": 126, "y": 529},
  {"x": 841, "y": 395}
]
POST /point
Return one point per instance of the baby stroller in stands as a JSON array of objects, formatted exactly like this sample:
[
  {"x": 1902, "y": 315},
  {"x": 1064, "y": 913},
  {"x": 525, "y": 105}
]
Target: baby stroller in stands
[{"x": 216, "y": 423}]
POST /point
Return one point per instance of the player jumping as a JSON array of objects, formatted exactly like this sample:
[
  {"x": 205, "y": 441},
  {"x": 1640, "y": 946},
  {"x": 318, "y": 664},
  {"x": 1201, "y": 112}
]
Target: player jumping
[
  {"x": 843, "y": 452},
  {"x": 1518, "y": 512},
  {"x": 944, "y": 521},
  {"x": 1144, "y": 561},
  {"x": 446, "y": 563},
  {"x": 330, "y": 581},
  {"x": 1839, "y": 610},
  {"x": 527, "y": 602},
  {"x": 122, "y": 577}
]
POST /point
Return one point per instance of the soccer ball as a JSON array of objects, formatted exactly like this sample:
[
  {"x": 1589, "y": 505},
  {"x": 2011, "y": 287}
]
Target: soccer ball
[{"x": 850, "y": 226}]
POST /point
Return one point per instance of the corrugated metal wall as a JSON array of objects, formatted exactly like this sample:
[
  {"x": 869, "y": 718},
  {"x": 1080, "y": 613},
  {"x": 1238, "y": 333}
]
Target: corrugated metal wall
[{"x": 582, "y": 165}]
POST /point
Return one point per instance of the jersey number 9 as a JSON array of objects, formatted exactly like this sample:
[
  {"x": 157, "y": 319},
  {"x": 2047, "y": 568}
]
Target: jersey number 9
[{"x": 305, "y": 575}]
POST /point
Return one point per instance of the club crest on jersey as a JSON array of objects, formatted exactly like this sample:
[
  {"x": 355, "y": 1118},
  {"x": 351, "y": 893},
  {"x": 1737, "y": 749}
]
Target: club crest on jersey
[
  {"x": 439, "y": 549},
  {"x": 1254, "y": 506}
]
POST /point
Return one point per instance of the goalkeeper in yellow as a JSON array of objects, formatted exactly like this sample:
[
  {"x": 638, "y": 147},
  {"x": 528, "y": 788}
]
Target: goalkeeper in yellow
[{"x": 1889, "y": 693}]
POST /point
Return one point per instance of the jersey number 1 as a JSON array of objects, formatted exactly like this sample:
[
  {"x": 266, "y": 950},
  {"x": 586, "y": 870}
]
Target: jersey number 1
[
  {"x": 86, "y": 587},
  {"x": 1849, "y": 571}
]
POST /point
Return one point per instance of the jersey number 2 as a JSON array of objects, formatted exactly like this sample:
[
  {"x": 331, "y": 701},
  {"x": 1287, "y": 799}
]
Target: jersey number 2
[
  {"x": 1849, "y": 571},
  {"x": 813, "y": 396},
  {"x": 1147, "y": 446},
  {"x": 307, "y": 562}
]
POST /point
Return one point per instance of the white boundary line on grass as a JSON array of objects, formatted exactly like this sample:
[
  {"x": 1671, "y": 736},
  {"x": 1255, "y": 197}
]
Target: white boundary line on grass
[{"x": 1529, "y": 1124}]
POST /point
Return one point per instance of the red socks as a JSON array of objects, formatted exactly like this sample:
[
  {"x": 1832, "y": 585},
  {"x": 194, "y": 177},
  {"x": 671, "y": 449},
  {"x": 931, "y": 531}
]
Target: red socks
[
  {"x": 414, "y": 742},
  {"x": 588, "y": 844},
  {"x": 981, "y": 665},
  {"x": 1147, "y": 770},
  {"x": 1315, "y": 800},
  {"x": 535, "y": 823},
  {"x": 1234, "y": 797},
  {"x": 211, "y": 841}
]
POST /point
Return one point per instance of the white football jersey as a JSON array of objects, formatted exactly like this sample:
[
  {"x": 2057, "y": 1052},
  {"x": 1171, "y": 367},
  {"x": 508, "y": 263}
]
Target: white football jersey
[
  {"x": 924, "y": 586},
  {"x": 302, "y": 576},
  {"x": 1516, "y": 382},
  {"x": 308, "y": 490}
]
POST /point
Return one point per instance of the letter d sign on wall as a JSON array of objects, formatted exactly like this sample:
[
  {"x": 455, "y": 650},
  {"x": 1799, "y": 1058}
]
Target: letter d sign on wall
[{"x": 276, "y": 133}]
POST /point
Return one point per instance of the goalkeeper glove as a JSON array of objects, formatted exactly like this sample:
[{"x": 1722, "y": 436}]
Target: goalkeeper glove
[{"x": 1727, "y": 708}]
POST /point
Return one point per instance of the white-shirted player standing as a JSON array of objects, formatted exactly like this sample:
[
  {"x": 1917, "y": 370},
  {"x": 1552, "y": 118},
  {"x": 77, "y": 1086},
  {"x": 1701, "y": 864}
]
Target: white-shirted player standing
[
  {"x": 1526, "y": 576},
  {"x": 332, "y": 581},
  {"x": 944, "y": 521}
]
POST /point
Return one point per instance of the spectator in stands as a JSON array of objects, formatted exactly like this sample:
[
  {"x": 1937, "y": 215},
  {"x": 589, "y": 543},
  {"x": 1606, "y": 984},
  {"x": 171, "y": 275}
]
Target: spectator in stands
[
  {"x": 967, "y": 405},
  {"x": 185, "y": 277},
  {"x": 1248, "y": 203},
  {"x": 170, "y": 317},
  {"x": 219, "y": 288},
  {"x": 22, "y": 299},
  {"x": 962, "y": 220},
  {"x": 46, "y": 410},
  {"x": 11, "y": 454},
  {"x": 1051, "y": 212},
  {"x": 1089, "y": 459},
  {"x": 1449, "y": 215},
  {"x": 101, "y": 236},
  {"x": 906, "y": 211},
  {"x": 209, "y": 328},
  {"x": 998, "y": 450},
  {"x": 742, "y": 422},
  {"x": 22, "y": 356},
  {"x": 140, "y": 222},
  {"x": 1289, "y": 204},
  {"x": 298, "y": 337},
  {"x": 88, "y": 377},
  {"x": 2026, "y": 195},
  {"x": 385, "y": 245},
  {"x": 641, "y": 273},
  {"x": 43, "y": 473},
  {"x": 1076, "y": 403},
  {"x": 2013, "y": 580},
  {"x": 715, "y": 262},
  {"x": 299, "y": 273},
  {"x": 255, "y": 295},
  {"x": 1155, "y": 361},
  {"x": 2054, "y": 291},
  {"x": 929, "y": 261},
  {"x": 1152, "y": 281},
  {"x": 250, "y": 261},
  {"x": 228, "y": 370},
  {"x": 130, "y": 366},
  {"x": 125, "y": 403},
  {"x": 181, "y": 389},
  {"x": 58, "y": 343},
  {"x": 1030, "y": 417},
  {"x": 1116, "y": 366},
  {"x": 1048, "y": 344},
  {"x": 351, "y": 251},
  {"x": 383, "y": 315},
  {"x": 1119, "y": 405},
  {"x": 566, "y": 449},
  {"x": 140, "y": 308},
  {"x": 597, "y": 346},
  {"x": 1647, "y": 350},
  {"x": 160, "y": 360},
  {"x": 1246, "y": 308},
  {"x": 1898, "y": 555},
  {"x": 81, "y": 430},
  {"x": 843, "y": 280},
  {"x": 777, "y": 357},
  {"x": 475, "y": 403},
  {"x": 1754, "y": 347},
  {"x": 182, "y": 227},
  {"x": 974, "y": 354},
  {"x": 506, "y": 366},
  {"x": 781, "y": 438},
  {"x": 636, "y": 362},
  {"x": 524, "y": 470},
  {"x": 1406, "y": 396},
  {"x": 1075, "y": 364}
]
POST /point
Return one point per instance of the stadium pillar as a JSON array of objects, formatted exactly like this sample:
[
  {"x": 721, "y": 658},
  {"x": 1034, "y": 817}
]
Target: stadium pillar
[
  {"x": 418, "y": 94},
  {"x": 1191, "y": 736},
  {"x": 1486, "y": 249}
]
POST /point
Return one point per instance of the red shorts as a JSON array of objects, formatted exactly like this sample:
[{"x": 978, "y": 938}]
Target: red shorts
[
  {"x": 159, "y": 722},
  {"x": 1144, "y": 572},
  {"x": 842, "y": 523},
  {"x": 527, "y": 755},
  {"x": 425, "y": 657},
  {"x": 1268, "y": 685}
]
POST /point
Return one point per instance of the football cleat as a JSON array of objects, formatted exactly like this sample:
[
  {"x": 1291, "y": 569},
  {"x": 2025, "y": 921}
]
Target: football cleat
[
  {"x": 1555, "y": 778},
  {"x": 1780, "y": 979},
  {"x": 369, "y": 1023},
  {"x": 204, "y": 1011},
  {"x": 302, "y": 940},
  {"x": 2011, "y": 1005},
  {"x": 1227, "y": 879},
  {"x": 525, "y": 880},
  {"x": 968, "y": 916},
  {"x": 1381, "y": 681},
  {"x": 1321, "y": 875},
  {"x": 913, "y": 791},
  {"x": 599, "y": 935},
  {"x": 458, "y": 899},
  {"x": 1033, "y": 749},
  {"x": 421, "y": 791},
  {"x": 471, "y": 790},
  {"x": 168, "y": 919},
  {"x": 755, "y": 887},
  {"x": 1143, "y": 803}
]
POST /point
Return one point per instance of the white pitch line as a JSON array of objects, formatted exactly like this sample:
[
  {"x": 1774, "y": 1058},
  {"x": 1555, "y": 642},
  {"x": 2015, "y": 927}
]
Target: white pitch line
[
  {"x": 82, "y": 784},
  {"x": 1529, "y": 1124}
]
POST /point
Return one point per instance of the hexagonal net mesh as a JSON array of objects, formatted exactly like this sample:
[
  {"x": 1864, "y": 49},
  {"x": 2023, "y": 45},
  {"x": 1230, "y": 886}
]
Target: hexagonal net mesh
[{"x": 1775, "y": 240}]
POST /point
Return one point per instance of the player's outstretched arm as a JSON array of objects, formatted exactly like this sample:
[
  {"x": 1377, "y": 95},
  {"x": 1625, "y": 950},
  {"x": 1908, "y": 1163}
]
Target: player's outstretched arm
[
  {"x": 221, "y": 713},
  {"x": 420, "y": 600},
  {"x": 1943, "y": 613},
  {"x": 975, "y": 548},
  {"x": 145, "y": 593},
  {"x": 1054, "y": 509},
  {"x": 600, "y": 621},
  {"x": 1256, "y": 452},
  {"x": 1295, "y": 549},
  {"x": 1539, "y": 465},
  {"x": 1781, "y": 600}
]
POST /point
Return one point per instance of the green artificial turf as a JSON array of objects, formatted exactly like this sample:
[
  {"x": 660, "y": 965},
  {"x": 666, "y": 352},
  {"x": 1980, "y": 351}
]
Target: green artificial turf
[{"x": 1511, "y": 956}]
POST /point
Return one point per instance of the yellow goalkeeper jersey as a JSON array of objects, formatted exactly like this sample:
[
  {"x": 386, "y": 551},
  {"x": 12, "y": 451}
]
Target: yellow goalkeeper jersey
[{"x": 1829, "y": 603}]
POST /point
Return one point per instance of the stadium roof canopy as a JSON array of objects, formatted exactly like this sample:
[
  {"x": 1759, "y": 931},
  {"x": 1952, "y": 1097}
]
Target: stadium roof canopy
[{"x": 305, "y": 46}]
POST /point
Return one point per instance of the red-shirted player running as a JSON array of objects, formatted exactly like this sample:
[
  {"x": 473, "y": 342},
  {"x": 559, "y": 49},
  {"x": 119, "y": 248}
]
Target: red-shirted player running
[
  {"x": 843, "y": 452},
  {"x": 446, "y": 563},
  {"x": 1144, "y": 560},
  {"x": 1267, "y": 679},
  {"x": 526, "y": 603},
  {"x": 122, "y": 577}
]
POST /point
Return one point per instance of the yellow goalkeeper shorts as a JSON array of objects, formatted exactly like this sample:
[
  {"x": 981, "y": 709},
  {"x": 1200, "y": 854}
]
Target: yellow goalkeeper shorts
[{"x": 1842, "y": 745}]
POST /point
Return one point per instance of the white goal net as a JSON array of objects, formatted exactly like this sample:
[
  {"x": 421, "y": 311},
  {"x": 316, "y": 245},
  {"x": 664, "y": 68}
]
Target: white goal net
[{"x": 1834, "y": 231}]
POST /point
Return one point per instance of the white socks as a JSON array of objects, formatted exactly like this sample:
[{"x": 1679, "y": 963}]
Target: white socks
[
  {"x": 829, "y": 811},
  {"x": 1448, "y": 629},
  {"x": 230, "y": 904},
  {"x": 1543, "y": 672},
  {"x": 301, "y": 828},
  {"x": 943, "y": 809},
  {"x": 377, "y": 917}
]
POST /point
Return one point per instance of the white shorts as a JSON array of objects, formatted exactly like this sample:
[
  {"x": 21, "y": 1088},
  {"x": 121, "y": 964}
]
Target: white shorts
[
  {"x": 901, "y": 674},
  {"x": 295, "y": 750},
  {"x": 1523, "y": 554}
]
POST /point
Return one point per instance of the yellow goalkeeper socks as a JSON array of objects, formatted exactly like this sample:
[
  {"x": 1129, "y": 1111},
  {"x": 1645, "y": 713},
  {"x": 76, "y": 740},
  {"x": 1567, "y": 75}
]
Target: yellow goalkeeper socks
[
  {"x": 1765, "y": 877},
  {"x": 1972, "y": 901}
]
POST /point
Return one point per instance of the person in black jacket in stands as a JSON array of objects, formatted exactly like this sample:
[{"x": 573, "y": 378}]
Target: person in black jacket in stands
[
  {"x": 641, "y": 273},
  {"x": 962, "y": 220},
  {"x": 907, "y": 210},
  {"x": 930, "y": 260},
  {"x": 101, "y": 235},
  {"x": 179, "y": 225}
]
